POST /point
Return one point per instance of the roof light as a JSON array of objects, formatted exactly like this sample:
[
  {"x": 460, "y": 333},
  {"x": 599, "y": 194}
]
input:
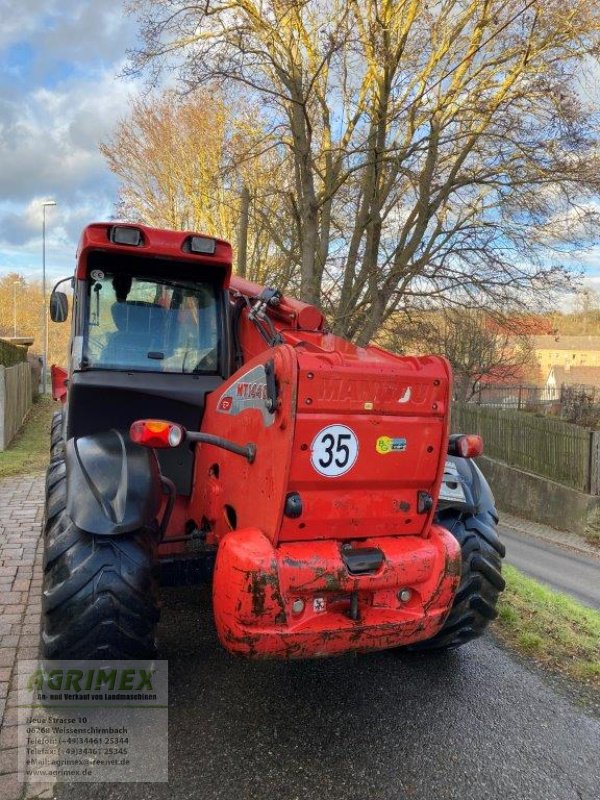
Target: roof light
[
  {"x": 156, "y": 433},
  {"x": 202, "y": 244},
  {"x": 466, "y": 446},
  {"x": 120, "y": 234}
]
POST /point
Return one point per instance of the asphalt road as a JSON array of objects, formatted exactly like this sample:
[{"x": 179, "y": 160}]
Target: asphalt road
[
  {"x": 472, "y": 724},
  {"x": 559, "y": 567}
]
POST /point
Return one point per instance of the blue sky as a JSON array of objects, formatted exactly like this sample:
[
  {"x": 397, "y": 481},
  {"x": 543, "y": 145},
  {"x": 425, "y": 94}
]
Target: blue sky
[{"x": 60, "y": 95}]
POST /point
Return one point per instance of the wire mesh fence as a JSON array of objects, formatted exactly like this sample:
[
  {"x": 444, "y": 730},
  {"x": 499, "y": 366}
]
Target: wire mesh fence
[{"x": 522, "y": 398}]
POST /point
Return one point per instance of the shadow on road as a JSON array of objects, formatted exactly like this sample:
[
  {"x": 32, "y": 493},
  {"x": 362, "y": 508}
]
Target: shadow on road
[{"x": 382, "y": 725}]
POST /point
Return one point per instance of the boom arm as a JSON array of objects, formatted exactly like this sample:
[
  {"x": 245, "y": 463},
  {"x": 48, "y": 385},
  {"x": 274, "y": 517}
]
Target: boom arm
[{"x": 288, "y": 312}]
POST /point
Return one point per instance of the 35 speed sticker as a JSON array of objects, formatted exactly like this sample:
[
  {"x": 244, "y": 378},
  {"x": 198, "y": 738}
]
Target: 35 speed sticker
[{"x": 334, "y": 450}]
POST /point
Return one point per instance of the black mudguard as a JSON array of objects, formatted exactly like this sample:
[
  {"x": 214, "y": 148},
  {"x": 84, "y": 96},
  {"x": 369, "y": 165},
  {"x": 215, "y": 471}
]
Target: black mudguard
[
  {"x": 465, "y": 488},
  {"x": 113, "y": 485}
]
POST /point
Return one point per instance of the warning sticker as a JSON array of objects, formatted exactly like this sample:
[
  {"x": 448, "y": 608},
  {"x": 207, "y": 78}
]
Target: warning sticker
[{"x": 385, "y": 444}]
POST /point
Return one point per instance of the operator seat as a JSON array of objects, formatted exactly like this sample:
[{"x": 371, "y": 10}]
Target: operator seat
[{"x": 140, "y": 328}]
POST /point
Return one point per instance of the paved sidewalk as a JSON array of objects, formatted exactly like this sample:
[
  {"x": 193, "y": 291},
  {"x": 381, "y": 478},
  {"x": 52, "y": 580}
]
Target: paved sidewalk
[
  {"x": 540, "y": 531},
  {"x": 21, "y": 513}
]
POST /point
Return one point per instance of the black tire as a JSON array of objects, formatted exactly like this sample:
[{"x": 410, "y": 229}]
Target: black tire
[
  {"x": 481, "y": 582},
  {"x": 57, "y": 444},
  {"x": 100, "y": 594}
]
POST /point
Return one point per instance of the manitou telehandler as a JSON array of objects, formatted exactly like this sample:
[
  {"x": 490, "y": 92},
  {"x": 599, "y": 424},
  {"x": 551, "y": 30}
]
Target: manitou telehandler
[{"x": 215, "y": 429}]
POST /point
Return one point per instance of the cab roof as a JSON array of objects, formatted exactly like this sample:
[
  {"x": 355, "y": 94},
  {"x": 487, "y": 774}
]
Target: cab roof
[{"x": 109, "y": 237}]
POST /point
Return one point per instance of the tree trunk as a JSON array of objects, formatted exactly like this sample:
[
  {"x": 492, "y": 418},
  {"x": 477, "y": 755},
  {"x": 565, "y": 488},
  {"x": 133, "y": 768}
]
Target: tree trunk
[{"x": 242, "y": 254}]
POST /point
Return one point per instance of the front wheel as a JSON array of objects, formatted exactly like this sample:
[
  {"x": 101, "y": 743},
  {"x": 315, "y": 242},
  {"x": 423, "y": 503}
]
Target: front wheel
[
  {"x": 57, "y": 444},
  {"x": 100, "y": 594},
  {"x": 481, "y": 582}
]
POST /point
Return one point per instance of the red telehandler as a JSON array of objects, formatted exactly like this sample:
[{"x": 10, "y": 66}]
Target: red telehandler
[{"x": 212, "y": 429}]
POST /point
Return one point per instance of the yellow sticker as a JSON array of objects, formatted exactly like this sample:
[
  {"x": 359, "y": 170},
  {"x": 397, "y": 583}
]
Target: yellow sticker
[{"x": 385, "y": 444}]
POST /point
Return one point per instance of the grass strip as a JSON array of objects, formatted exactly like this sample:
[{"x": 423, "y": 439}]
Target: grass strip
[
  {"x": 30, "y": 449},
  {"x": 554, "y": 630}
]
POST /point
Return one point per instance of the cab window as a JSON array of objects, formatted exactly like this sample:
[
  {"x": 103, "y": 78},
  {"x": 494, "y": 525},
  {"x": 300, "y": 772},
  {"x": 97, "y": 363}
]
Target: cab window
[{"x": 150, "y": 325}]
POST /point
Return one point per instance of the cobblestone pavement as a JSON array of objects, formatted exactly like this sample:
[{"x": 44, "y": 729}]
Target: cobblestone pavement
[{"x": 21, "y": 512}]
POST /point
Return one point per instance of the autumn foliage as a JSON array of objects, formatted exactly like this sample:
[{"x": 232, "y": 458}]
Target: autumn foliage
[
  {"x": 25, "y": 297},
  {"x": 419, "y": 153}
]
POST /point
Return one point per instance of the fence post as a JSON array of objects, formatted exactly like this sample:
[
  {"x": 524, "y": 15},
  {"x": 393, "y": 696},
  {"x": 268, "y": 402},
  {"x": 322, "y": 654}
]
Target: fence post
[
  {"x": 520, "y": 397},
  {"x": 594, "y": 462}
]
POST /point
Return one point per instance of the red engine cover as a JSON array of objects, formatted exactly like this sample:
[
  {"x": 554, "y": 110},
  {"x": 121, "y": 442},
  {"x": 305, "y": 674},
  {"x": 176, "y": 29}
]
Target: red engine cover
[
  {"x": 396, "y": 414},
  {"x": 359, "y": 440}
]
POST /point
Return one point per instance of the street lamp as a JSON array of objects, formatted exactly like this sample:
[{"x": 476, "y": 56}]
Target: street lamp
[
  {"x": 15, "y": 284},
  {"x": 46, "y": 204}
]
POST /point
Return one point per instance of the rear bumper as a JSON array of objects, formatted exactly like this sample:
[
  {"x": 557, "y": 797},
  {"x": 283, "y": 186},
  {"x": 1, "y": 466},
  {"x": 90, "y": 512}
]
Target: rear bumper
[{"x": 256, "y": 585}]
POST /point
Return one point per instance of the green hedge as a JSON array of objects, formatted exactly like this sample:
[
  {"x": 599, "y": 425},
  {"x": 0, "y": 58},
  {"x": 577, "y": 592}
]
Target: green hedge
[{"x": 11, "y": 354}]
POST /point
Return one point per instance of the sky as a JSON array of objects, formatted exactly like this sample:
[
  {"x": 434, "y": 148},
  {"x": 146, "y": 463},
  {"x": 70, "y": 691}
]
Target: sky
[{"x": 60, "y": 95}]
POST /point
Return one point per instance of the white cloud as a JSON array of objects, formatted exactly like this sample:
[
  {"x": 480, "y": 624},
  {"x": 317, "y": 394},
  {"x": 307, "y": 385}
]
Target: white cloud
[
  {"x": 49, "y": 140},
  {"x": 69, "y": 30},
  {"x": 60, "y": 95}
]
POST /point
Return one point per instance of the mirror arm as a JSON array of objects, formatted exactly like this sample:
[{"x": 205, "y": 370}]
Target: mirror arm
[{"x": 62, "y": 280}]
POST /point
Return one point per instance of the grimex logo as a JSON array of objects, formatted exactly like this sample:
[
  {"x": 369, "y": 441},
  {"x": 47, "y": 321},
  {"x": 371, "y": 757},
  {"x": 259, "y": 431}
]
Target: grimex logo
[{"x": 77, "y": 680}]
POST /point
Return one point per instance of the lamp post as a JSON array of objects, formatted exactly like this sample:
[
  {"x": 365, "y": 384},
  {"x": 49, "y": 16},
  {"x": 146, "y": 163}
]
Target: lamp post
[
  {"x": 46, "y": 204},
  {"x": 15, "y": 284}
]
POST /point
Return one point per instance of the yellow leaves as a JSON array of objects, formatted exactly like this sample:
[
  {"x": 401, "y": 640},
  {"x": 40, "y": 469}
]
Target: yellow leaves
[
  {"x": 171, "y": 156},
  {"x": 182, "y": 163}
]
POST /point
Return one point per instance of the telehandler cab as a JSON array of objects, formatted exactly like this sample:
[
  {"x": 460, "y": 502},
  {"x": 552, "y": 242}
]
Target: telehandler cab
[{"x": 212, "y": 429}]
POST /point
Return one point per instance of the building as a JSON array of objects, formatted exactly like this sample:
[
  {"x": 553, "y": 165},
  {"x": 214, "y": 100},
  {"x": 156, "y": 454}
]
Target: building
[
  {"x": 565, "y": 351},
  {"x": 572, "y": 376}
]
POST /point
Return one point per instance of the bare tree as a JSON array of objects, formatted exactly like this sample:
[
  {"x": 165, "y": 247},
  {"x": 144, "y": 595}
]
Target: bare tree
[
  {"x": 433, "y": 149},
  {"x": 478, "y": 346}
]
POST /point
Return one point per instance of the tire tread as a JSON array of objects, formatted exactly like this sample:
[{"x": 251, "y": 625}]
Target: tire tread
[
  {"x": 474, "y": 605},
  {"x": 100, "y": 594}
]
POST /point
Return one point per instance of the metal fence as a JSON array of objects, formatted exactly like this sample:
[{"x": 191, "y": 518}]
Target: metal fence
[
  {"x": 566, "y": 453},
  {"x": 579, "y": 393},
  {"x": 519, "y": 397}
]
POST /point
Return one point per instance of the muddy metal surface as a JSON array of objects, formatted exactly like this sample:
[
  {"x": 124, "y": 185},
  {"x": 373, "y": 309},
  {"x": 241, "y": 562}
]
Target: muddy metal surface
[{"x": 473, "y": 724}]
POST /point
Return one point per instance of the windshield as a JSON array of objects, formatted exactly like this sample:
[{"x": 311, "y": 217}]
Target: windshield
[{"x": 150, "y": 325}]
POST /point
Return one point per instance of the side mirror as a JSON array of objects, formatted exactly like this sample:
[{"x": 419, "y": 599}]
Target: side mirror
[{"x": 59, "y": 306}]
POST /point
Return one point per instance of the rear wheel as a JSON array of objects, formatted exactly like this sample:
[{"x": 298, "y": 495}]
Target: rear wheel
[
  {"x": 481, "y": 582},
  {"x": 100, "y": 594}
]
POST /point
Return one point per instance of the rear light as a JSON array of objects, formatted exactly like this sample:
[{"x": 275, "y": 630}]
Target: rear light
[
  {"x": 120, "y": 234},
  {"x": 156, "y": 433},
  {"x": 466, "y": 445},
  {"x": 202, "y": 244}
]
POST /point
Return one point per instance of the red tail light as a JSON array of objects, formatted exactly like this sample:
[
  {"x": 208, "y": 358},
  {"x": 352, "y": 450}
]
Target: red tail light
[
  {"x": 156, "y": 433},
  {"x": 469, "y": 445}
]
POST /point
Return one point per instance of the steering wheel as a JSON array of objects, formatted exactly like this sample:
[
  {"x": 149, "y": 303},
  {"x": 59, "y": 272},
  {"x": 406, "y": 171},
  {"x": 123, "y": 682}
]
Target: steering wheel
[{"x": 208, "y": 362}]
